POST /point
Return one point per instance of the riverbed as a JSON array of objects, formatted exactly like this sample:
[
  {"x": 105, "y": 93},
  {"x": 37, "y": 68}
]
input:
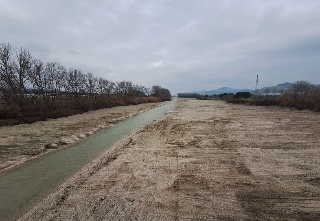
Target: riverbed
[
  {"x": 209, "y": 160},
  {"x": 24, "y": 185}
]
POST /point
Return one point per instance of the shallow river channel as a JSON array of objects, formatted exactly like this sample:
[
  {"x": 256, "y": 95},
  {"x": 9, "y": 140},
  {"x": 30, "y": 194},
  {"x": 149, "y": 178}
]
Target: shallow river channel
[{"x": 22, "y": 187}]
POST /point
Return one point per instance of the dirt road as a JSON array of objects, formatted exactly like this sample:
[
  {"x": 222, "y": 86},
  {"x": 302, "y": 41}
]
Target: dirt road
[{"x": 207, "y": 161}]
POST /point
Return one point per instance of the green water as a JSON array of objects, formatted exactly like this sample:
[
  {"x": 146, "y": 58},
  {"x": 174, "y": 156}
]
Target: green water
[{"x": 24, "y": 186}]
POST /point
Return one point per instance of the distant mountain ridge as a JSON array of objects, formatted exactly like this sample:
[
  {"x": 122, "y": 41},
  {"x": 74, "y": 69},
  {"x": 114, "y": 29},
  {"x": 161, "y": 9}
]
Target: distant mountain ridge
[
  {"x": 280, "y": 88},
  {"x": 271, "y": 89},
  {"x": 221, "y": 90}
]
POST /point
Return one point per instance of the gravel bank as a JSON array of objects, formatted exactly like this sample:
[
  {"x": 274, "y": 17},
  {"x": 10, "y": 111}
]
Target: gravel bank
[{"x": 209, "y": 160}]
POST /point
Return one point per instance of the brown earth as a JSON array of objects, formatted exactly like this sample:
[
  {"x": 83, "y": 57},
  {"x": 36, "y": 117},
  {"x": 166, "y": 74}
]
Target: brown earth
[
  {"x": 24, "y": 142},
  {"x": 209, "y": 160}
]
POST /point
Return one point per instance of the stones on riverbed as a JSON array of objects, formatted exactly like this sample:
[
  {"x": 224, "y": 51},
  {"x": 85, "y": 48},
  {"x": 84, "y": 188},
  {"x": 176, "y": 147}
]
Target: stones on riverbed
[
  {"x": 65, "y": 141},
  {"x": 69, "y": 140},
  {"x": 82, "y": 136},
  {"x": 52, "y": 145},
  {"x": 89, "y": 133}
]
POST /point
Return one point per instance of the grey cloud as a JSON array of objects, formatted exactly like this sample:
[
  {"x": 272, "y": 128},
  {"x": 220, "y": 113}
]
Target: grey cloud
[{"x": 184, "y": 44}]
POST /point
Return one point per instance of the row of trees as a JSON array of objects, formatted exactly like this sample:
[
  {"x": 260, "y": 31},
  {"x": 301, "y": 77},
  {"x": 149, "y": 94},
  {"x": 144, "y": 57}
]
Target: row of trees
[{"x": 29, "y": 86}]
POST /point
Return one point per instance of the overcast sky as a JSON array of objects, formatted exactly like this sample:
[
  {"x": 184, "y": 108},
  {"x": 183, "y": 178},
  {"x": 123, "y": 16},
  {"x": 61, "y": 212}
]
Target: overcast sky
[{"x": 182, "y": 45}]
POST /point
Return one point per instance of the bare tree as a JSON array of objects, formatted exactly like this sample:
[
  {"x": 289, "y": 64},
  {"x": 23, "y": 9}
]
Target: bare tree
[
  {"x": 105, "y": 87},
  {"x": 60, "y": 79},
  {"x": 140, "y": 91},
  {"x": 147, "y": 91},
  {"x": 91, "y": 84},
  {"x": 21, "y": 74},
  {"x": 123, "y": 89},
  {"x": 9, "y": 82},
  {"x": 23, "y": 68},
  {"x": 162, "y": 93},
  {"x": 303, "y": 87},
  {"x": 37, "y": 77},
  {"x": 72, "y": 83},
  {"x": 51, "y": 71}
]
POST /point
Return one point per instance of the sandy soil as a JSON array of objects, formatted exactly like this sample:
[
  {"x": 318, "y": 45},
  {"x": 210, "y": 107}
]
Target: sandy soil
[
  {"x": 207, "y": 161},
  {"x": 24, "y": 142}
]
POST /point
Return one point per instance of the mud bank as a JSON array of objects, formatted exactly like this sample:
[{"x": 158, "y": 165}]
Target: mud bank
[{"x": 209, "y": 161}]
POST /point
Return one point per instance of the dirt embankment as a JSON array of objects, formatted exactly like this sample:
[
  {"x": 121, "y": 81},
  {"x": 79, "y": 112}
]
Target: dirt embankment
[
  {"x": 23, "y": 142},
  {"x": 207, "y": 161}
]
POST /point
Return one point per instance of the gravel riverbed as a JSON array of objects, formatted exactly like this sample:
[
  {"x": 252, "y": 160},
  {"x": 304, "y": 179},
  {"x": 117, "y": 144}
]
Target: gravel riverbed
[{"x": 208, "y": 160}]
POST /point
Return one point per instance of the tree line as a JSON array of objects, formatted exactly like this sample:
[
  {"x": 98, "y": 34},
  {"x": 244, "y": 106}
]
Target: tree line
[
  {"x": 303, "y": 95},
  {"x": 31, "y": 88}
]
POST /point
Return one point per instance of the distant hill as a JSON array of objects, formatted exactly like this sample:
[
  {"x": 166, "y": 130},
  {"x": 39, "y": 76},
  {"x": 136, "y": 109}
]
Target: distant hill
[
  {"x": 222, "y": 90},
  {"x": 280, "y": 88}
]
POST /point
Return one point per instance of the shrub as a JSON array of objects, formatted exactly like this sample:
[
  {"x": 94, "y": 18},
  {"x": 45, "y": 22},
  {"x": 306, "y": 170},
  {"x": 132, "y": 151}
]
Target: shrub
[
  {"x": 300, "y": 101},
  {"x": 263, "y": 101},
  {"x": 314, "y": 100},
  {"x": 286, "y": 100},
  {"x": 240, "y": 95}
]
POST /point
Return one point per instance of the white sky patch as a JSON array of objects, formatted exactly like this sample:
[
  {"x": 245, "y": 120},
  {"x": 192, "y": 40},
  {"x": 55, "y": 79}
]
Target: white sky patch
[{"x": 155, "y": 65}]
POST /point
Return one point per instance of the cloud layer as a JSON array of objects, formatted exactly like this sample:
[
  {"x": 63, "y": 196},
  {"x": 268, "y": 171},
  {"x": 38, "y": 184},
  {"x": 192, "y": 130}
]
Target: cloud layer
[{"x": 183, "y": 45}]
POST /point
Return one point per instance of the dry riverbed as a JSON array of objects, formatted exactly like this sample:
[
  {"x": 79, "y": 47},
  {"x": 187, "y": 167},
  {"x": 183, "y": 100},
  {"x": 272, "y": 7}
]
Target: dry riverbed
[
  {"x": 24, "y": 142},
  {"x": 209, "y": 160}
]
